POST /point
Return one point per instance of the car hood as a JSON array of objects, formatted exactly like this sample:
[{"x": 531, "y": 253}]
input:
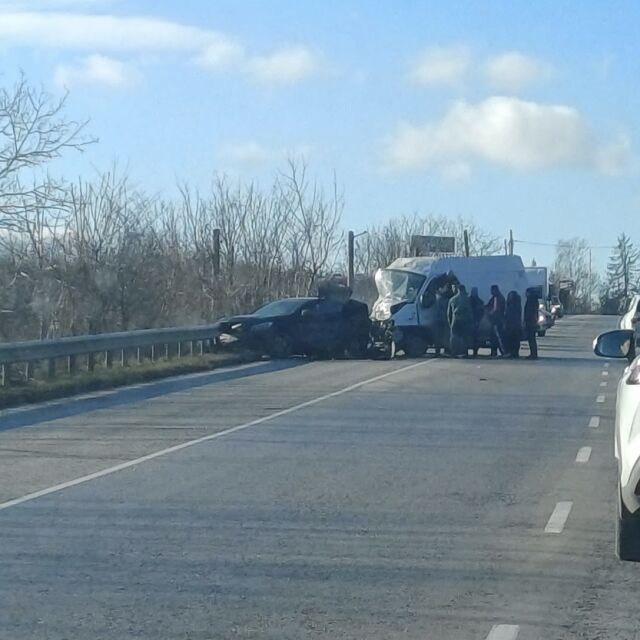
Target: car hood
[{"x": 247, "y": 319}]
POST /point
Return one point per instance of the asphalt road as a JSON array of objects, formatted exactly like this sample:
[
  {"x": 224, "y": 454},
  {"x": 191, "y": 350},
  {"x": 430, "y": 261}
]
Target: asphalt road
[{"x": 418, "y": 499}]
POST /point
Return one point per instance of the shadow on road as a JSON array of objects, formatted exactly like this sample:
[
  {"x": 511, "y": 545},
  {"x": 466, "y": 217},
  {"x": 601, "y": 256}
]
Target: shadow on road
[{"x": 128, "y": 395}]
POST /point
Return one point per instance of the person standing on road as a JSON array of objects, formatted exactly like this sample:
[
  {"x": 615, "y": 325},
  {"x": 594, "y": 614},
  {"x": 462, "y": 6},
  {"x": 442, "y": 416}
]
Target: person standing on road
[
  {"x": 477, "y": 313},
  {"x": 441, "y": 326},
  {"x": 460, "y": 321},
  {"x": 531, "y": 322},
  {"x": 495, "y": 309},
  {"x": 513, "y": 324}
]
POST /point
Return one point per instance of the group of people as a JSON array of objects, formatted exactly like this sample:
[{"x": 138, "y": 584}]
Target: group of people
[{"x": 459, "y": 321}]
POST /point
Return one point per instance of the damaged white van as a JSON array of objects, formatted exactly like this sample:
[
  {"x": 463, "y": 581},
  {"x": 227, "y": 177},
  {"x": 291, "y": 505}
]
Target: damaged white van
[{"x": 407, "y": 292}]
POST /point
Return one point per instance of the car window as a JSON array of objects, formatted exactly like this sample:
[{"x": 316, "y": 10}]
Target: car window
[{"x": 280, "y": 308}]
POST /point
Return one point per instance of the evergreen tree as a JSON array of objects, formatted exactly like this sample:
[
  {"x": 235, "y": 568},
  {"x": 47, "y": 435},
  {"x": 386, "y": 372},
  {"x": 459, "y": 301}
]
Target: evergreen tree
[{"x": 623, "y": 269}]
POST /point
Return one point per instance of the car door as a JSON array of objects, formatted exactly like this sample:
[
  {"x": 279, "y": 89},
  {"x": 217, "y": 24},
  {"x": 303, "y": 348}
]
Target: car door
[{"x": 320, "y": 326}]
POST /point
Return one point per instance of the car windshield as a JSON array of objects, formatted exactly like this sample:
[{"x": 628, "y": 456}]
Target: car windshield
[
  {"x": 279, "y": 308},
  {"x": 399, "y": 285}
]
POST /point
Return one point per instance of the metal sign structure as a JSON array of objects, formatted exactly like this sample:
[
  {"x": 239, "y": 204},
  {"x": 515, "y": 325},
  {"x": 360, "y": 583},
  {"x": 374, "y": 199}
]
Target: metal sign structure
[{"x": 432, "y": 245}]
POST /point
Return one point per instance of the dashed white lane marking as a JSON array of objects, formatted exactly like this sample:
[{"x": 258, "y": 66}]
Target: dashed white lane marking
[
  {"x": 603, "y": 383},
  {"x": 600, "y": 399},
  {"x": 606, "y": 365},
  {"x": 584, "y": 453},
  {"x": 605, "y": 373},
  {"x": 559, "y": 517},
  {"x": 594, "y": 423},
  {"x": 212, "y": 436},
  {"x": 503, "y": 632}
]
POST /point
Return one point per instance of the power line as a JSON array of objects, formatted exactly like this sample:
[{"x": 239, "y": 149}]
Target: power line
[{"x": 558, "y": 244}]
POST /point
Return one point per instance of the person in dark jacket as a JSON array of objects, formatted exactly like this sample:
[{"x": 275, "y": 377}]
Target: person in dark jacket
[
  {"x": 513, "y": 324},
  {"x": 460, "y": 321},
  {"x": 531, "y": 307},
  {"x": 477, "y": 313},
  {"x": 441, "y": 328},
  {"x": 495, "y": 310}
]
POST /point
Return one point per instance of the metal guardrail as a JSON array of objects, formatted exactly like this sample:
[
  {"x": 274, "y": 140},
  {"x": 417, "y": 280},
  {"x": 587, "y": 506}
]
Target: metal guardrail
[{"x": 108, "y": 343}]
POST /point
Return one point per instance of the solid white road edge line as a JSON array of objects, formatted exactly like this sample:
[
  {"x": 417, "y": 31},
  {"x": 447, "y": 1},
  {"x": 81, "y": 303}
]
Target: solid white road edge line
[
  {"x": 600, "y": 399},
  {"x": 584, "y": 453},
  {"x": 559, "y": 517},
  {"x": 90, "y": 395},
  {"x": 594, "y": 423},
  {"x": 503, "y": 632},
  {"x": 190, "y": 443}
]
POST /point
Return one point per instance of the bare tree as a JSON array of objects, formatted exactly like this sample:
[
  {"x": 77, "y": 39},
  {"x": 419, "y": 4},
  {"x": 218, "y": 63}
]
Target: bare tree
[
  {"x": 33, "y": 131},
  {"x": 314, "y": 219}
]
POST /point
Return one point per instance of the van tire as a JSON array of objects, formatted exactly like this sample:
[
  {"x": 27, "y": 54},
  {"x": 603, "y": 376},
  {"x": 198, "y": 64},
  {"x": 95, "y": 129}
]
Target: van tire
[
  {"x": 542, "y": 334},
  {"x": 415, "y": 346}
]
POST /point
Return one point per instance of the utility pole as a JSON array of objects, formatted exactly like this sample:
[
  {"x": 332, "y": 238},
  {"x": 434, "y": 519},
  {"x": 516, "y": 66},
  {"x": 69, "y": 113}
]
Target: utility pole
[
  {"x": 216, "y": 252},
  {"x": 466, "y": 243},
  {"x": 506, "y": 250},
  {"x": 350, "y": 258},
  {"x": 510, "y": 242},
  {"x": 590, "y": 281}
]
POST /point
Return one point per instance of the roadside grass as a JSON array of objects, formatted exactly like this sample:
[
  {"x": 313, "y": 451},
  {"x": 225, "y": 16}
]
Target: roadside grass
[{"x": 40, "y": 389}]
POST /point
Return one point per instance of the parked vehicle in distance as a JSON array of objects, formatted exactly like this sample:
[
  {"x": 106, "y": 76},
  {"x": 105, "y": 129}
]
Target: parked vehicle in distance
[
  {"x": 621, "y": 344},
  {"x": 556, "y": 307},
  {"x": 321, "y": 327},
  {"x": 545, "y": 321}
]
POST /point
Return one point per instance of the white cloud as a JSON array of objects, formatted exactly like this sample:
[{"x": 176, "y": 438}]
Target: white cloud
[
  {"x": 441, "y": 66},
  {"x": 245, "y": 153},
  {"x": 252, "y": 154},
  {"x": 222, "y": 54},
  {"x": 98, "y": 70},
  {"x": 514, "y": 71},
  {"x": 508, "y": 132},
  {"x": 456, "y": 171},
  {"x": 108, "y": 34},
  {"x": 284, "y": 66},
  {"x": 104, "y": 33}
]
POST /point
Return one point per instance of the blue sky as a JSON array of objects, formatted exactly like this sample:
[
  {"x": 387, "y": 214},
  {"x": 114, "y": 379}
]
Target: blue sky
[{"x": 519, "y": 115}]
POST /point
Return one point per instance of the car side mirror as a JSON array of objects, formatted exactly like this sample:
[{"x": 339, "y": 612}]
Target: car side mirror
[
  {"x": 616, "y": 344},
  {"x": 427, "y": 299}
]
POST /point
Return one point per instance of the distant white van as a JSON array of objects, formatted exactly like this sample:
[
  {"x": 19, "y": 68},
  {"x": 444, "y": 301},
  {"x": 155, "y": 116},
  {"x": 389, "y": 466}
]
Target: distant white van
[{"x": 407, "y": 288}]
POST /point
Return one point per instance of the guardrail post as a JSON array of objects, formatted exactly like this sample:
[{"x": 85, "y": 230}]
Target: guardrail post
[
  {"x": 191, "y": 342},
  {"x": 153, "y": 353},
  {"x": 3, "y": 375},
  {"x": 108, "y": 359},
  {"x": 91, "y": 362},
  {"x": 28, "y": 371},
  {"x": 51, "y": 368},
  {"x": 71, "y": 365},
  {"x": 138, "y": 355},
  {"x": 124, "y": 360},
  {"x": 201, "y": 349},
  {"x": 166, "y": 351},
  {"x": 179, "y": 349}
]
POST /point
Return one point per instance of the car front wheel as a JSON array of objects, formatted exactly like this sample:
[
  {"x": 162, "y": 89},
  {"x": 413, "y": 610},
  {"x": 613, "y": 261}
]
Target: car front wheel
[
  {"x": 627, "y": 534},
  {"x": 280, "y": 347}
]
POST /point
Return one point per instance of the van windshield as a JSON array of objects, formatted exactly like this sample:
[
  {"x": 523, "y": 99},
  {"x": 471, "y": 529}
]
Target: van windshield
[{"x": 399, "y": 285}]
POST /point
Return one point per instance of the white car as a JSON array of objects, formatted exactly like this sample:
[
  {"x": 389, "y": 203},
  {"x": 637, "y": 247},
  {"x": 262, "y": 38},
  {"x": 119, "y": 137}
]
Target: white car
[
  {"x": 632, "y": 316},
  {"x": 622, "y": 344}
]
